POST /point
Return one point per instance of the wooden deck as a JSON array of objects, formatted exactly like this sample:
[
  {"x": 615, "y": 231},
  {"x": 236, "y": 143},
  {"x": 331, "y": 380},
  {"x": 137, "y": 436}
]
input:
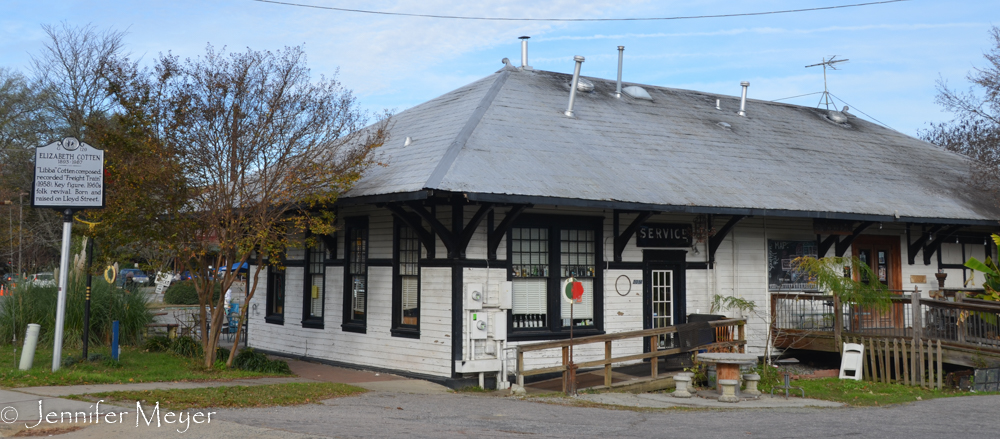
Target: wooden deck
[{"x": 967, "y": 330}]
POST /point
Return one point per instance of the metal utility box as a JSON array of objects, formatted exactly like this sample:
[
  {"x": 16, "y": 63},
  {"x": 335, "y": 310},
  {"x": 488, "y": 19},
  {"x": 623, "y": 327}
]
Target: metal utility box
[
  {"x": 475, "y": 295},
  {"x": 500, "y": 325},
  {"x": 479, "y": 326},
  {"x": 506, "y": 294}
]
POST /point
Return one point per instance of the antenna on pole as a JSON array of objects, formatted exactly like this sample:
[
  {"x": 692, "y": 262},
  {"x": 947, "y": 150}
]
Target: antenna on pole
[{"x": 831, "y": 64}]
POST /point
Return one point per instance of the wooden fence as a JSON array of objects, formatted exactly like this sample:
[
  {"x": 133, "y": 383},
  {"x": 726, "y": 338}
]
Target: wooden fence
[
  {"x": 901, "y": 345},
  {"x": 654, "y": 353}
]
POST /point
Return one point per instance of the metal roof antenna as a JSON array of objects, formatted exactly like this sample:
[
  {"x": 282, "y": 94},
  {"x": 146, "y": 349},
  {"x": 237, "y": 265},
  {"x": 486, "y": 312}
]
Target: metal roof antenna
[
  {"x": 743, "y": 100},
  {"x": 618, "y": 88},
  {"x": 827, "y": 63},
  {"x": 572, "y": 87},
  {"x": 524, "y": 53}
]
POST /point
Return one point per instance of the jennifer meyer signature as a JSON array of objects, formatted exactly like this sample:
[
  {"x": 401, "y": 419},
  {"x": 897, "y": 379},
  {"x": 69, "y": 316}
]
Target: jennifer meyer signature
[{"x": 9, "y": 415}]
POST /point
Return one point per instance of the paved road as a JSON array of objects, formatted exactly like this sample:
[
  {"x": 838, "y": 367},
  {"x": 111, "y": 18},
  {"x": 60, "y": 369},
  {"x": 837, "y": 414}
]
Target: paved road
[
  {"x": 380, "y": 414},
  {"x": 438, "y": 415}
]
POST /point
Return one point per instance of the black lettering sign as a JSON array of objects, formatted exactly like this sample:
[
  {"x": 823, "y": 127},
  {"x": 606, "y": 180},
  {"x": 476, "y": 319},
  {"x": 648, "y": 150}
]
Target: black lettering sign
[{"x": 663, "y": 235}]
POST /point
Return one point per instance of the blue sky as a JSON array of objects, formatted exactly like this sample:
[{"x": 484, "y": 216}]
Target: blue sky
[{"x": 897, "y": 51}]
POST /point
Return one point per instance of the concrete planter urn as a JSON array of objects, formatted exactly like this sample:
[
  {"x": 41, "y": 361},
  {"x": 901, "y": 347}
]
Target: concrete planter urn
[{"x": 683, "y": 384}]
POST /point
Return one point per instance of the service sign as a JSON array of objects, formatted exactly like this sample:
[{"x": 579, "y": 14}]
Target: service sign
[
  {"x": 68, "y": 175},
  {"x": 663, "y": 235}
]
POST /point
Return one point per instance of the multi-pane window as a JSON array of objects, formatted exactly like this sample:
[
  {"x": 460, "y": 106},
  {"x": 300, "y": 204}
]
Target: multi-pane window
[
  {"x": 275, "y": 295},
  {"x": 577, "y": 255},
  {"x": 409, "y": 255},
  {"x": 357, "y": 274},
  {"x": 544, "y": 254},
  {"x": 314, "y": 280},
  {"x": 530, "y": 266}
]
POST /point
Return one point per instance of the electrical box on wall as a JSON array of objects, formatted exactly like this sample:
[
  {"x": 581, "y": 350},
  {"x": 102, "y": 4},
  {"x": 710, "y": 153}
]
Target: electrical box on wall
[
  {"x": 500, "y": 325},
  {"x": 479, "y": 326},
  {"x": 506, "y": 292},
  {"x": 475, "y": 295}
]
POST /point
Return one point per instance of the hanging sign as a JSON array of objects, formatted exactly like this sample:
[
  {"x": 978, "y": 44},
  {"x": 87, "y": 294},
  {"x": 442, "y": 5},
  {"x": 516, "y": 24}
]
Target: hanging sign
[
  {"x": 68, "y": 175},
  {"x": 572, "y": 290},
  {"x": 663, "y": 235}
]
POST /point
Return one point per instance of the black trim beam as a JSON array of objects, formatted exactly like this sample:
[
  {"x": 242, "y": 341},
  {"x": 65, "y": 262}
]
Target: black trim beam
[
  {"x": 622, "y": 240},
  {"x": 716, "y": 240},
  {"x": 842, "y": 245},
  {"x": 935, "y": 245},
  {"x": 913, "y": 247},
  {"x": 447, "y": 238},
  {"x": 710, "y": 210},
  {"x": 470, "y": 229},
  {"x": 825, "y": 244},
  {"x": 496, "y": 236},
  {"x": 423, "y": 235}
]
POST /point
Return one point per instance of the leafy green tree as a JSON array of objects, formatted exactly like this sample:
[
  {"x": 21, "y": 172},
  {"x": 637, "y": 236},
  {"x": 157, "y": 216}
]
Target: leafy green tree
[{"x": 253, "y": 151}]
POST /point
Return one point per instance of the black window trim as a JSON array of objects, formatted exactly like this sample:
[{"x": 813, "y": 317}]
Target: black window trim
[
  {"x": 349, "y": 324},
  {"x": 555, "y": 223},
  {"x": 309, "y": 321},
  {"x": 269, "y": 317},
  {"x": 397, "y": 328}
]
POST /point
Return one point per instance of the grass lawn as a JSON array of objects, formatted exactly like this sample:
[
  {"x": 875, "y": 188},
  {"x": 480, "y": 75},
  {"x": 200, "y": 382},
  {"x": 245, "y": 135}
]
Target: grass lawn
[
  {"x": 134, "y": 366},
  {"x": 230, "y": 397},
  {"x": 869, "y": 394}
]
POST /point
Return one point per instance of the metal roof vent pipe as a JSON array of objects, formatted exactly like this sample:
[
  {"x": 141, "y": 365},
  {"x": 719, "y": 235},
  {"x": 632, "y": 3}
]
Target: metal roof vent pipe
[
  {"x": 572, "y": 87},
  {"x": 618, "y": 88},
  {"x": 524, "y": 53},
  {"x": 743, "y": 100}
]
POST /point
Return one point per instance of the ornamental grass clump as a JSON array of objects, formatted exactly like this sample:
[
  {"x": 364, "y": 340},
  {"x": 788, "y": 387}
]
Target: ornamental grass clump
[{"x": 37, "y": 304}]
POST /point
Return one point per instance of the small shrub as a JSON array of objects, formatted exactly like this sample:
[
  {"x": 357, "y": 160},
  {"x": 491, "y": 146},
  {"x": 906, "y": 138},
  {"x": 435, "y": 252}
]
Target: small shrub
[
  {"x": 187, "y": 347},
  {"x": 157, "y": 344},
  {"x": 251, "y": 360},
  {"x": 184, "y": 293},
  {"x": 221, "y": 354}
]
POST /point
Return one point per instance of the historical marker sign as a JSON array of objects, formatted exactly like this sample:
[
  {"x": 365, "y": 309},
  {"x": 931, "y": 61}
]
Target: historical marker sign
[{"x": 68, "y": 175}]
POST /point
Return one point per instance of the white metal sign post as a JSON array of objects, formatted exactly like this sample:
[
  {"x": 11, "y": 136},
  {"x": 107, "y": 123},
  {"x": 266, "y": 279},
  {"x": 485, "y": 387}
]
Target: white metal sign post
[{"x": 69, "y": 176}]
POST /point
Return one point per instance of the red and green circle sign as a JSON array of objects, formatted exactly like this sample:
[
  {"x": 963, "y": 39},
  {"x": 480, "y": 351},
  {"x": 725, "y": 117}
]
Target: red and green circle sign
[{"x": 572, "y": 291}]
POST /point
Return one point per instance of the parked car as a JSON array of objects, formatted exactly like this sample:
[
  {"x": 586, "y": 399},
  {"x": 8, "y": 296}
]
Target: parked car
[
  {"x": 138, "y": 276},
  {"x": 44, "y": 279}
]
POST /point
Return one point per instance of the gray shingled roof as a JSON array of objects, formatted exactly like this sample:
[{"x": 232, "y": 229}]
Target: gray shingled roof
[{"x": 506, "y": 137}]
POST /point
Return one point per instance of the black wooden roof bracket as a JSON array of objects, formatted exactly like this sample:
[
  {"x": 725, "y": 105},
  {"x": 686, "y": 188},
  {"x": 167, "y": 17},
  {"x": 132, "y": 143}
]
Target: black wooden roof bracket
[
  {"x": 622, "y": 240},
  {"x": 425, "y": 237},
  {"x": 913, "y": 247},
  {"x": 825, "y": 244},
  {"x": 496, "y": 235},
  {"x": 935, "y": 245},
  {"x": 470, "y": 229},
  {"x": 716, "y": 240},
  {"x": 842, "y": 245},
  {"x": 447, "y": 238}
]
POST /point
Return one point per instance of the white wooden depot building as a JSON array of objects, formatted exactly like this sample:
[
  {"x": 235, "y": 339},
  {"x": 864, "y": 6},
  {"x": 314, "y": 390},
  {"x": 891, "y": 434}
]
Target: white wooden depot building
[{"x": 657, "y": 199}]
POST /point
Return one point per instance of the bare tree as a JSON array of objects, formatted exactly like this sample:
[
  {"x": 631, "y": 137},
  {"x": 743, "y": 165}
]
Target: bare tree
[
  {"x": 975, "y": 129},
  {"x": 263, "y": 152},
  {"x": 71, "y": 69}
]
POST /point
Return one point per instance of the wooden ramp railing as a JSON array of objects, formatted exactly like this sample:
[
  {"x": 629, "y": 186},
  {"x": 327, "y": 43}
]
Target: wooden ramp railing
[
  {"x": 687, "y": 341},
  {"x": 901, "y": 345}
]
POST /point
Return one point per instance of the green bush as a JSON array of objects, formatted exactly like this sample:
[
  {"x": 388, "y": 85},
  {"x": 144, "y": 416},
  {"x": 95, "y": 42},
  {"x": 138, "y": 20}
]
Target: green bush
[
  {"x": 187, "y": 347},
  {"x": 253, "y": 361},
  {"x": 34, "y": 304},
  {"x": 221, "y": 354},
  {"x": 157, "y": 344},
  {"x": 184, "y": 293}
]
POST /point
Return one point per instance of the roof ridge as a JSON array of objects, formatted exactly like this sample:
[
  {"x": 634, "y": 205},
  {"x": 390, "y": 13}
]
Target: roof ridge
[{"x": 463, "y": 136}]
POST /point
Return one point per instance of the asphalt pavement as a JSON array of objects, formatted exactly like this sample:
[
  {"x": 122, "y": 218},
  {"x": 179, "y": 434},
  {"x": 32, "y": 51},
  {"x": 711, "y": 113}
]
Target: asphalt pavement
[{"x": 400, "y": 407}]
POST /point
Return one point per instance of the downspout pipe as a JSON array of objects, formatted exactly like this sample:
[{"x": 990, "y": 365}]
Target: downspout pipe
[
  {"x": 618, "y": 87},
  {"x": 572, "y": 87},
  {"x": 743, "y": 99}
]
